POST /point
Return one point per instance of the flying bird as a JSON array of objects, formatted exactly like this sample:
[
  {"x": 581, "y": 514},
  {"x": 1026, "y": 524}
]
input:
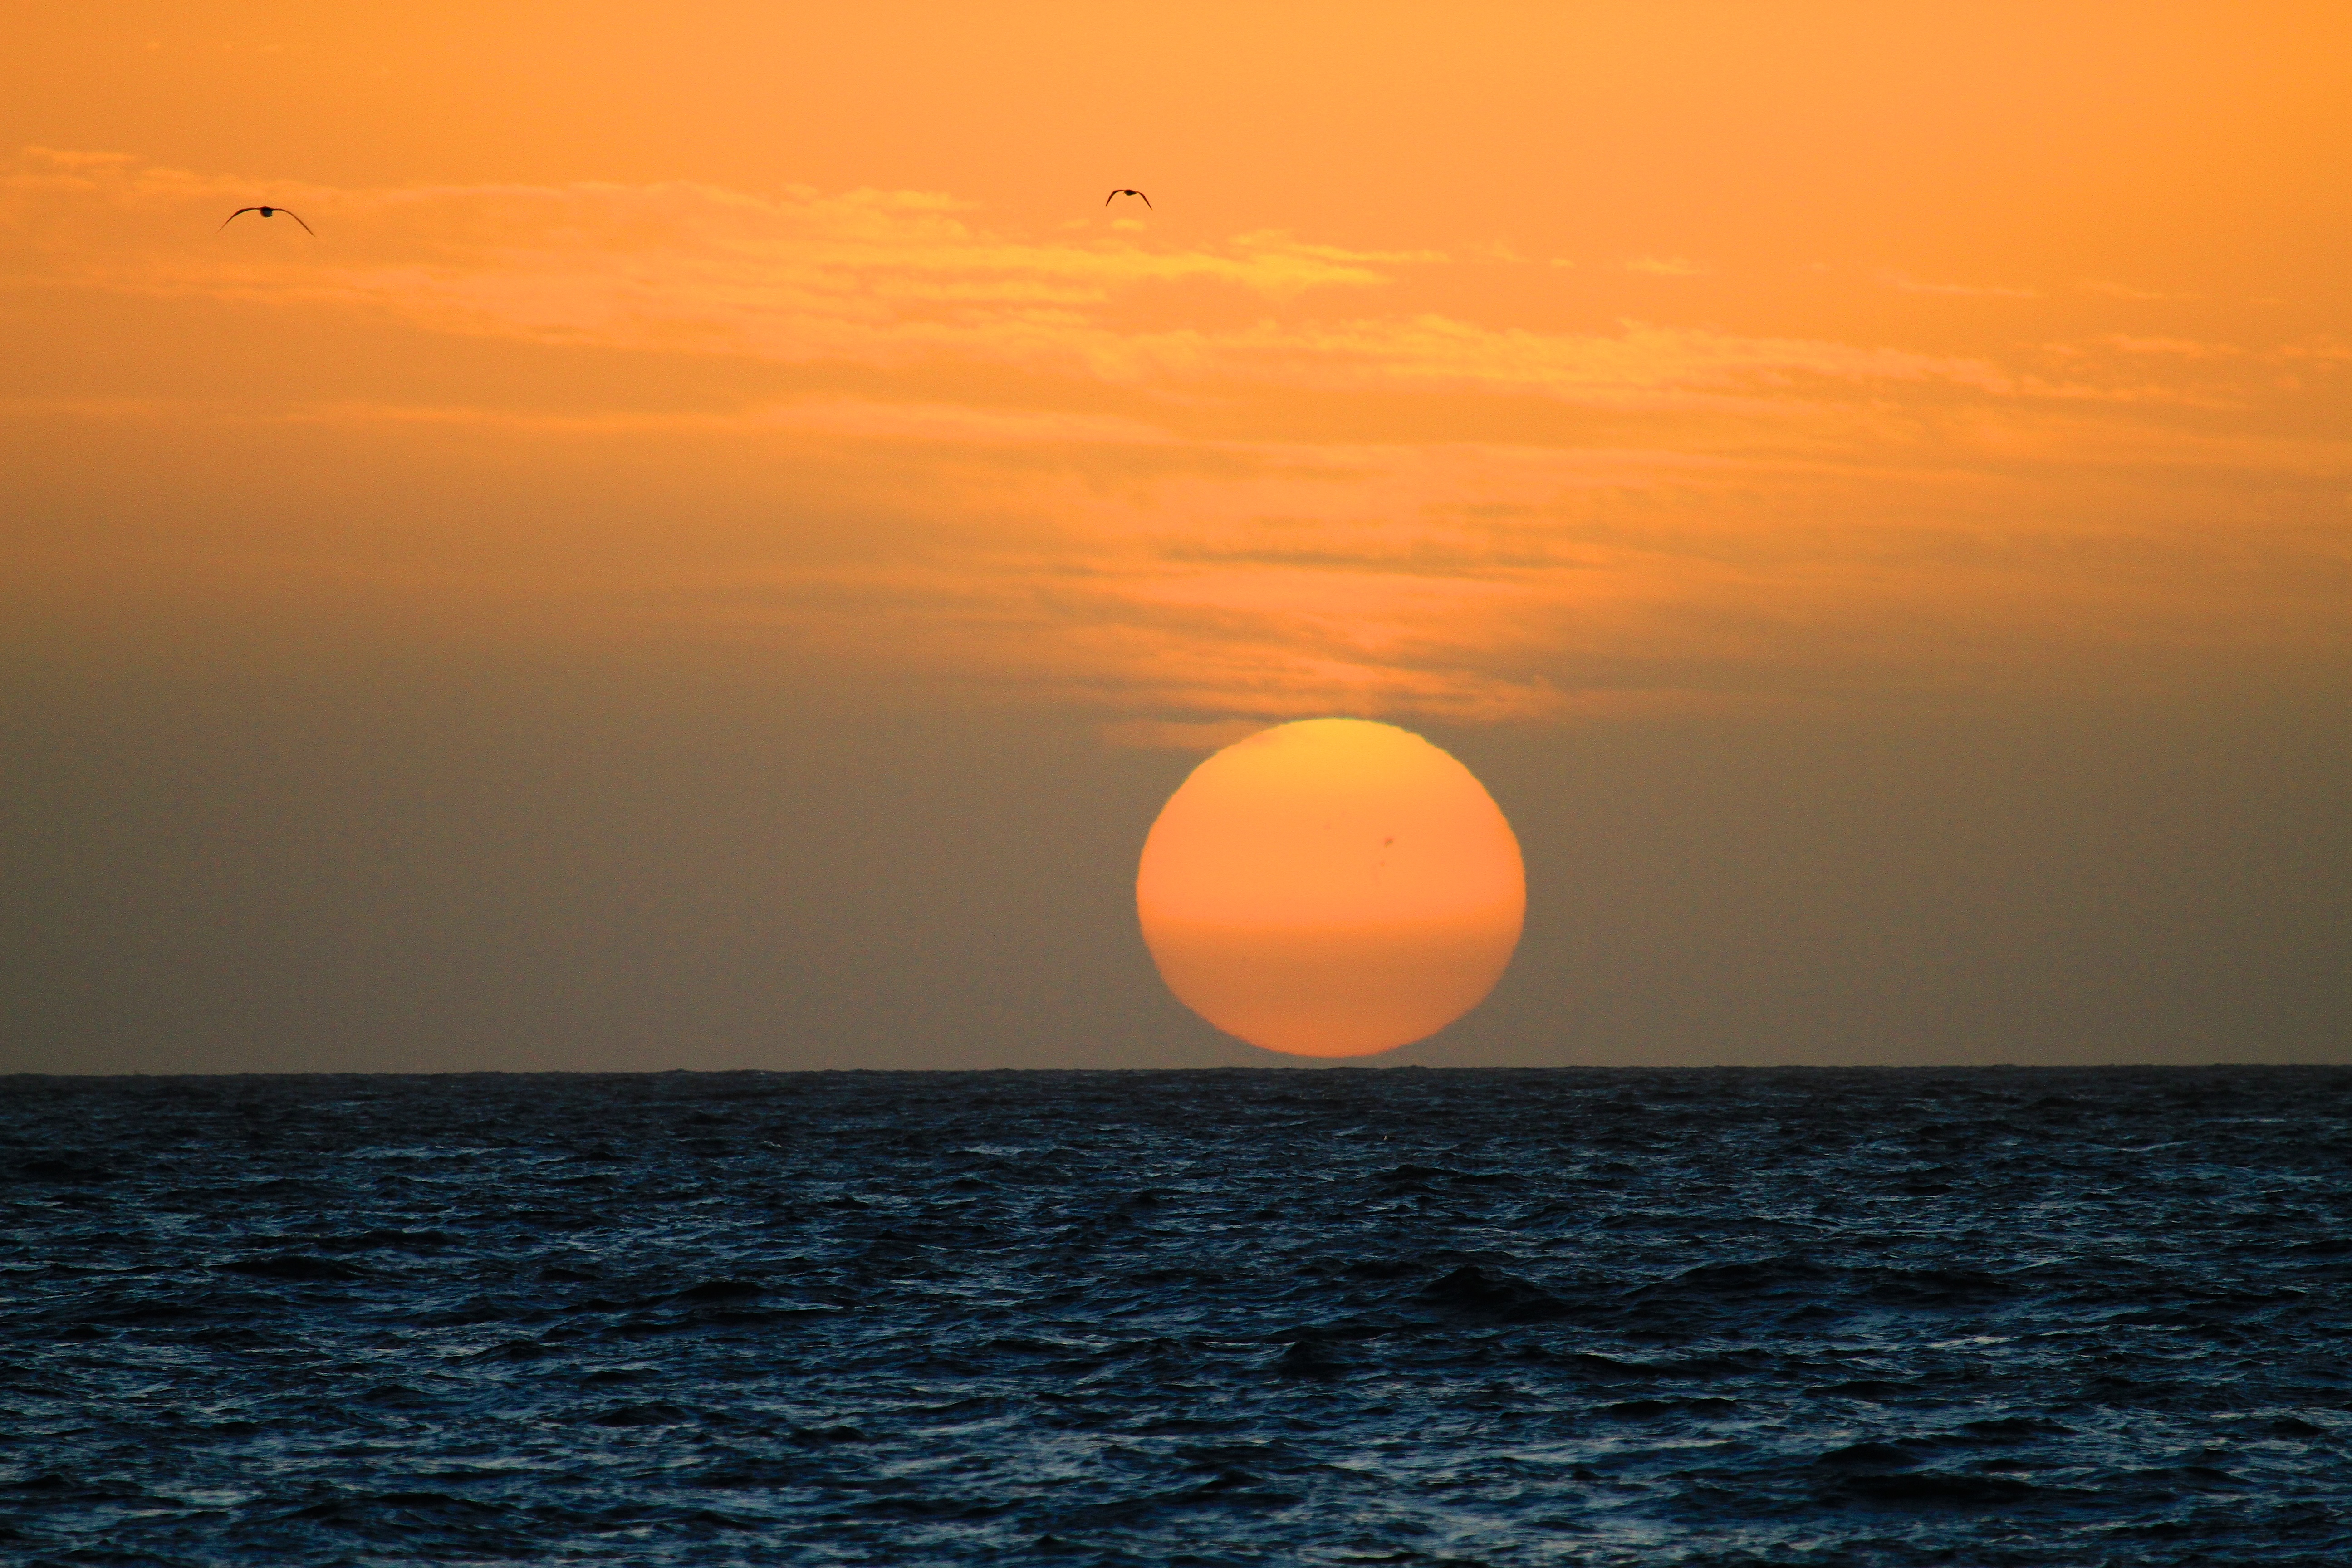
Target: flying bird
[
  {"x": 268, "y": 212},
  {"x": 1108, "y": 199}
]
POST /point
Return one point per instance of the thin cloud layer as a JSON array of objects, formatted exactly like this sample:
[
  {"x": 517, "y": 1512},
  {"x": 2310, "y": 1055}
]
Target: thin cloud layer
[{"x": 1180, "y": 485}]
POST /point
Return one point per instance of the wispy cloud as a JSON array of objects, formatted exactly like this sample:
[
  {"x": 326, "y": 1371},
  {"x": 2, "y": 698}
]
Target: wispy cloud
[
  {"x": 1187, "y": 487},
  {"x": 2125, "y": 291},
  {"x": 1973, "y": 290}
]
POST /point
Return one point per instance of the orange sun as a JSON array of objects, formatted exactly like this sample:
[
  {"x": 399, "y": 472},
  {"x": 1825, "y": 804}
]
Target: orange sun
[{"x": 1331, "y": 888}]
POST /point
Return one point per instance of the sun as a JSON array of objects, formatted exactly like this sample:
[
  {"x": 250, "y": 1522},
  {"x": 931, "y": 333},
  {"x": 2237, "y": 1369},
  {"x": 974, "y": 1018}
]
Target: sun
[{"x": 1331, "y": 888}]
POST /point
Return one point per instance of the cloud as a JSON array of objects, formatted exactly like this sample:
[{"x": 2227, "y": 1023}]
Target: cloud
[
  {"x": 1181, "y": 486},
  {"x": 2125, "y": 291},
  {"x": 1970, "y": 290},
  {"x": 1665, "y": 267},
  {"x": 1178, "y": 735}
]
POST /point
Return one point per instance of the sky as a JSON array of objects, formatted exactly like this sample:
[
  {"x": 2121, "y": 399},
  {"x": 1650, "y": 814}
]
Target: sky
[{"x": 716, "y": 552}]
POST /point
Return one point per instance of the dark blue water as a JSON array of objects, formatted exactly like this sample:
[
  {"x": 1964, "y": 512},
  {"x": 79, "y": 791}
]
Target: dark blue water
[{"x": 1403, "y": 1317}]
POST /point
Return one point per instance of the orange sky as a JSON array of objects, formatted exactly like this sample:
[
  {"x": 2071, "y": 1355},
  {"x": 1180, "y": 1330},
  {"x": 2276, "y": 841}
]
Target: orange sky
[
  {"x": 719, "y": 548},
  {"x": 1477, "y": 363}
]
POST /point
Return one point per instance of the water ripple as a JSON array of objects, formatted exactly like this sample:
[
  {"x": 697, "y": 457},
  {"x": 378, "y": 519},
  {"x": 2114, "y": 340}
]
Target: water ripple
[{"x": 1996, "y": 1316}]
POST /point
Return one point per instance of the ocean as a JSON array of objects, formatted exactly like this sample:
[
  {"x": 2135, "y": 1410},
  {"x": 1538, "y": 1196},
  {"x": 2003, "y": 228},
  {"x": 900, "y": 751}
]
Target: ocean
[{"x": 1969, "y": 1317}]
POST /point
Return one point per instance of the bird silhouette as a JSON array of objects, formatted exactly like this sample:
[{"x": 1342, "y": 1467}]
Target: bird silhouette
[
  {"x": 268, "y": 212},
  {"x": 1108, "y": 200}
]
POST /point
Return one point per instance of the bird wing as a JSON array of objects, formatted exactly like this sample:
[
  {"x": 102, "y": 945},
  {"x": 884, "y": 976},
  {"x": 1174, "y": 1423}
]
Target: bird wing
[
  {"x": 1107, "y": 199},
  {"x": 235, "y": 216},
  {"x": 290, "y": 212},
  {"x": 1146, "y": 200}
]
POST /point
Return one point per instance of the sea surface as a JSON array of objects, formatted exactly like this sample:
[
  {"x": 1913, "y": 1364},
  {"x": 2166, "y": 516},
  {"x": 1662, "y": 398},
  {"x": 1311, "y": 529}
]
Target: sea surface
[{"x": 1802, "y": 1316}]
